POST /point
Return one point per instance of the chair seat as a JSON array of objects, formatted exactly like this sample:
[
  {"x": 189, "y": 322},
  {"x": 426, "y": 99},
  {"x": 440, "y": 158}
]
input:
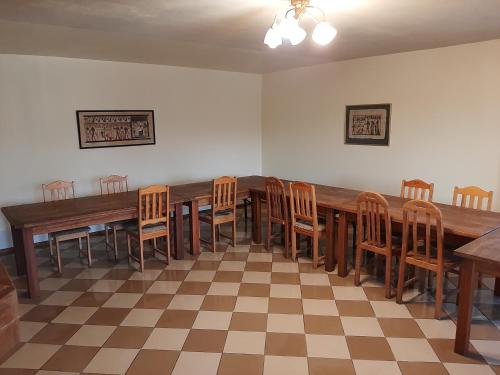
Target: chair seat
[
  {"x": 119, "y": 225},
  {"x": 309, "y": 227},
  {"x": 71, "y": 233},
  {"x": 132, "y": 227},
  {"x": 220, "y": 216},
  {"x": 450, "y": 260}
]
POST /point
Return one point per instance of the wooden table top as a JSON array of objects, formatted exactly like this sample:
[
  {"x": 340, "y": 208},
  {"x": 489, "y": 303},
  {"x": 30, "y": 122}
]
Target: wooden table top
[{"x": 485, "y": 249}]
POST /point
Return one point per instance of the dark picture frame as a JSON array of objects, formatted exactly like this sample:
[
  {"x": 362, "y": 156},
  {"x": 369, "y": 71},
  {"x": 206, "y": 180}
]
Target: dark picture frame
[
  {"x": 115, "y": 128},
  {"x": 368, "y": 124}
]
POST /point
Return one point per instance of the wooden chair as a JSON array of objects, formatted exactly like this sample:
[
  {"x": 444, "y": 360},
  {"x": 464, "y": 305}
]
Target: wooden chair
[
  {"x": 422, "y": 251},
  {"x": 111, "y": 185},
  {"x": 223, "y": 209},
  {"x": 304, "y": 217},
  {"x": 476, "y": 198},
  {"x": 374, "y": 234},
  {"x": 417, "y": 189},
  {"x": 277, "y": 211},
  {"x": 61, "y": 190},
  {"x": 473, "y": 197},
  {"x": 153, "y": 222}
]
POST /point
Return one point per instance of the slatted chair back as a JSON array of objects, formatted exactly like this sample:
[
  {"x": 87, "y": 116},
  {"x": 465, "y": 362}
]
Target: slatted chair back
[
  {"x": 277, "y": 204},
  {"x": 113, "y": 184},
  {"x": 303, "y": 204},
  {"x": 154, "y": 204},
  {"x": 224, "y": 194},
  {"x": 420, "y": 244},
  {"x": 373, "y": 212},
  {"x": 58, "y": 190},
  {"x": 417, "y": 189},
  {"x": 473, "y": 197}
]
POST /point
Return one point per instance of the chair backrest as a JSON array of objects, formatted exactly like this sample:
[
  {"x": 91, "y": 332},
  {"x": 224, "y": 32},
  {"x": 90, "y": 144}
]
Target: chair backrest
[
  {"x": 373, "y": 212},
  {"x": 113, "y": 184},
  {"x": 224, "y": 194},
  {"x": 303, "y": 203},
  {"x": 277, "y": 205},
  {"x": 154, "y": 205},
  {"x": 58, "y": 190},
  {"x": 430, "y": 218},
  {"x": 472, "y": 197},
  {"x": 417, "y": 189}
]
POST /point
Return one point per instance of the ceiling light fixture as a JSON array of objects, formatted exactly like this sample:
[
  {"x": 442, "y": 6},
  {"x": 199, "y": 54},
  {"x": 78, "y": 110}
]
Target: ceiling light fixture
[{"x": 288, "y": 27}]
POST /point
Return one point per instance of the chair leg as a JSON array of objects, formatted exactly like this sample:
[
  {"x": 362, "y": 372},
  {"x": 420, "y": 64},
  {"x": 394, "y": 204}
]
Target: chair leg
[
  {"x": 234, "y": 233},
  {"x": 315, "y": 250},
  {"x": 357, "y": 267},
  {"x": 115, "y": 238},
  {"x": 217, "y": 232},
  {"x": 479, "y": 280},
  {"x": 294, "y": 245},
  {"x": 245, "y": 205},
  {"x": 106, "y": 235},
  {"x": 167, "y": 245},
  {"x": 58, "y": 254},
  {"x": 141, "y": 255},
  {"x": 213, "y": 237},
  {"x": 80, "y": 244},
  {"x": 401, "y": 281},
  {"x": 269, "y": 233},
  {"x": 89, "y": 254},
  {"x": 51, "y": 250},
  {"x": 287, "y": 240},
  {"x": 439, "y": 295},
  {"x": 354, "y": 235},
  {"x": 129, "y": 247},
  {"x": 388, "y": 276}
]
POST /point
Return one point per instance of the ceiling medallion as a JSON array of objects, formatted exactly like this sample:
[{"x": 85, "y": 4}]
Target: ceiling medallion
[{"x": 287, "y": 27}]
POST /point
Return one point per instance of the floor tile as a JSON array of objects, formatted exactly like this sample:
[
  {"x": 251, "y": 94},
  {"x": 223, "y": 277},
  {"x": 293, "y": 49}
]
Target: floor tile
[
  {"x": 279, "y": 365},
  {"x": 254, "y": 290},
  {"x": 147, "y": 274},
  {"x": 370, "y": 348},
  {"x": 355, "y": 308},
  {"x": 196, "y": 275},
  {"x": 224, "y": 289},
  {"x": 369, "y": 367},
  {"x": 170, "y": 274},
  {"x": 445, "y": 350},
  {"x": 78, "y": 285},
  {"x": 177, "y": 319},
  {"x": 60, "y": 298},
  {"x": 108, "y": 286},
  {"x": 317, "y": 279},
  {"x": 228, "y": 276},
  {"x": 256, "y": 277},
  {"x": 197, "y": 363},
  {"x": 91, "y": 335},
  {"x": 53, "y": 283},
  {"x": 320, "y": 307},
  {"x": 241, "y": 342},
  {"x": 389, "y": 309},
  {"x": 154, "y": 301},
  {"x": 286, "y": 344},
  {"x": 361, "y": 326},
  {"x": 75, "y": 315},
  {"x": 128, "y": 337},
  {"x": 327, "y": 346},
  {"x": 166, "y": 339},
  {"x": 252, "y": 304},
  {"x": 186, "y": 302},
  {"x": 285, "y": 323},
  {"x": 316, "y": 292},
  {"x": 285, "y": 291},
  {"x": 412, "y": 350},
  {"x": 241, "y": 364},
  {"x": 205, "y": 340},
  {"x": 285, "y": 306},
  {"x": 90, "y": 299},
  {"x": 285, "y": 278},
  {"x": 400, "y": 327},
  {"x": 490, "y": 350},
  {"x": 467, "y": 369},
  {"x": 212, "y": 320},
  {"x": 30, "y": 356},
  {"x": 323, "y": 325},
  {"x": 260, "y": 257},
  {"x": 419, "y": 368},
  {"x": 42, "y": 313},
  {"x": 288, "y": 267},
  {"x": 29, "y": 329},
  {"x": 232, "y": 266},
  {"x": 123, "y": 300},
  {"x": 135, "y": 286},
  {"x": 153, "y": 362},
  {"x": 70, "y": 359},
  {"x": 142, "y": 318},
  {"x": 108, "y": 316},
  {"x": 437, "y": 329},
  {"x": 218, "y": 303},
  {"x": 349, "y": 293},
  {"x": 92, "y": 273},
  {"x": 164, "y": 287},
  {"x": 55, "y": 334},
  {"x": 242, "y": 321},
  {"x": 111, "y": 361}
]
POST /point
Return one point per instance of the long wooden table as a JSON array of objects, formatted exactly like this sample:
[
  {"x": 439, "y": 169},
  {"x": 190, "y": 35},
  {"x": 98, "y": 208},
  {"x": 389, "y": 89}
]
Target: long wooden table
[
  {"x": 337, "y": 204},
  {"x": 481, "y": 255}
]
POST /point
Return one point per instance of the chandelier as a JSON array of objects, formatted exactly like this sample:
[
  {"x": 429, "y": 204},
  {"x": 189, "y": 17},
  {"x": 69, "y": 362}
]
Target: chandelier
[{"x": 287, "y": 26}]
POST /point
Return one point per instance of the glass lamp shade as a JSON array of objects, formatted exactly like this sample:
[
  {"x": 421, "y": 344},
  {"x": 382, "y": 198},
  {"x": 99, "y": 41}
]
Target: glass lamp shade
[
  {"x": 324, "y": 33},
  {"x": 287, "y": 27},
  {"x": 297, "y": 35},
  {"x": 273, "y": 38}
]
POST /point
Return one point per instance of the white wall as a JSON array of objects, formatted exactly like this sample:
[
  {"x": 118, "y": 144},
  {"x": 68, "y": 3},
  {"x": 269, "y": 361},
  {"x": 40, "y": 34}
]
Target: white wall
[
  {"x": 445, "y": 123},
  {"x": 208, "y": 123}
]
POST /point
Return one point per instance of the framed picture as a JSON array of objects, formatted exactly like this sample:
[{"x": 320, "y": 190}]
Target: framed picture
[
  {"x": 367, "y": 124},
  {"x": 98, "y": 129}
]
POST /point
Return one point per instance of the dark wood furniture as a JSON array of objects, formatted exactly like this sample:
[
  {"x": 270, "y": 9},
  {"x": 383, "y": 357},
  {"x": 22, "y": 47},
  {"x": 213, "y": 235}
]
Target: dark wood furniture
[
  {"x": 423, "y": 248},
  {"x": 481, "y": 255},
  {"x": 277, "y": 212},
  {"x": 9, "y": 322},
  {"x": 223, "y": 208},
  {"x": 153, "y": 222},
  {"x": 374, "y": 234}
]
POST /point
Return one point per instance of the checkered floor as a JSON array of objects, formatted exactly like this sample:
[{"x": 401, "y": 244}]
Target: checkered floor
[{"x": 240, "y": 310}]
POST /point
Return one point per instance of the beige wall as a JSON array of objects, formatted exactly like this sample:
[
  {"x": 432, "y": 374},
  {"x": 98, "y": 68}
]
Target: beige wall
[
  {"x": 445, "y": 120},
  {"x": 208, "y": 123}
]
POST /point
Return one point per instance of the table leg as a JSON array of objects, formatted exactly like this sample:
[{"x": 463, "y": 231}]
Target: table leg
[
  {"x": 497, "y": 287},
  {"x": 31, "y": 263},
  {"x": 17, "y": 239},
  {"x": 330, "y": 243},
  {"x": 466, "y": 287},
  {"x": 256, "y": 218},
  {"x": 342, "y": 245},
  {"x": 179, "y": 231},
  {"x": 194, "y": 224}
]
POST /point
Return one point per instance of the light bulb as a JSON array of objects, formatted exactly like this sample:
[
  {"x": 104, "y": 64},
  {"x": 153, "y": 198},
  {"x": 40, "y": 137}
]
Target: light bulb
[
  {"x": 273, "y": 37},
  {"x": 298, "y": 34},
  {"x": 324, "y": 33},
  {"x": 287, "y": 27}
]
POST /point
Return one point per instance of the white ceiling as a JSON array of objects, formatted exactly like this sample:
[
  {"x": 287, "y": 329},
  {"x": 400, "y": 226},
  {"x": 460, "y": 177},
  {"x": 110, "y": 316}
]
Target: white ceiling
[{"x": 228, "y": 34}]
